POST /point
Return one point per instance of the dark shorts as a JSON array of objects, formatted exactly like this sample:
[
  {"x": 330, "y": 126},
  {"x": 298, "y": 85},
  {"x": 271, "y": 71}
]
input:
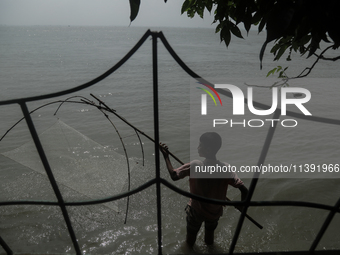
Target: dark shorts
[{"x": 195, "y": 220}]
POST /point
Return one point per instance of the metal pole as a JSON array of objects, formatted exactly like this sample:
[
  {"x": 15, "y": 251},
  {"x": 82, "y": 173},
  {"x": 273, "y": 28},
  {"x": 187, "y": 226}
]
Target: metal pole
[
  {"x": 156, "y": 134},
  {"x": 5, "y": 246},
  {"x": 50, "y": 175},
  {"x": 324, "y": 226},
  {"x": 263, "y": 155}
]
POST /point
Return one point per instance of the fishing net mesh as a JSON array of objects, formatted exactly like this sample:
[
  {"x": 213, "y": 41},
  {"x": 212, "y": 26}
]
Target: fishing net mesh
[{"x": 79, "y": 163}]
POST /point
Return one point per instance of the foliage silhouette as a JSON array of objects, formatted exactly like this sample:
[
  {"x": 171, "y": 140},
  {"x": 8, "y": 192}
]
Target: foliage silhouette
[{"x": 296, "y": 25}]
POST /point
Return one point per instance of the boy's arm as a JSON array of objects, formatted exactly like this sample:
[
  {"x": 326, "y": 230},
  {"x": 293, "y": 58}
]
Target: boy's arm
[
  {"x": 164, "y": 150},
  {"x": 244, "y": 192},
  {"x": 236, "y": 182}
]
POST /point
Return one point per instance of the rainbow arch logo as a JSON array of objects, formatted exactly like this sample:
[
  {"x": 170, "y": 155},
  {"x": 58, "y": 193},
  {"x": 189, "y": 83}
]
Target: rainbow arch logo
[{"x": 209, "y": 93}]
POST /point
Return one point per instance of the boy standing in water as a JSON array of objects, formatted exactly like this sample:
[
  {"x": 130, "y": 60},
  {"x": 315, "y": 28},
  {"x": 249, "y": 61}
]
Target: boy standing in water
[{"x": 199, "y": 212}]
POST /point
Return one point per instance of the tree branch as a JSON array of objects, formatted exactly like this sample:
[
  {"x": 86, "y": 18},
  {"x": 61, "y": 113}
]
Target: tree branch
[
  {"x": 285, "y": 80},
  {"x": 301, "y": 75},
  {"x": 330, "y": 59}
]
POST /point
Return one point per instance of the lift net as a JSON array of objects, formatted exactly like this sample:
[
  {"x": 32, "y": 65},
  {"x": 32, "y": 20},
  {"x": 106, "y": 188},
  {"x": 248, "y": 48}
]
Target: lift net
[{"x": 77, "y": 162}]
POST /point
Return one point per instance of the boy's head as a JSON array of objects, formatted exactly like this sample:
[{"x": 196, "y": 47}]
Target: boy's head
[{"x": 210, "y": 142}]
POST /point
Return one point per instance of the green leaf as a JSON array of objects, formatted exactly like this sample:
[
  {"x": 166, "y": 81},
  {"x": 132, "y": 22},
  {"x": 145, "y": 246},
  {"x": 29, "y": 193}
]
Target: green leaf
[
  {"x": 271, "y": 72},
  {"x": 256, "y": 18},
  {"x": 134, "y": 8},
  {"x": 279, "y": 70},
  {"x": 225, "y": 35},
  {"x": 275, "y": 48},
  {"x": 199, "y": 8},
  {"x": 282, "y": 75},
  {"x": 247, "y": 21},
  {"x": 262, "y": 24},
  {"x": 218, "y": 28},
  {"x": 235, "y": 30},
  {"x": 190, "y": 14},
  {"x": 209, "y": 5},
  {"x": 295, "y": 46},
  {"x": 281, "y": 51},
  {"x": 238, "y": 13},
  {"x": 200, "y": 12},
  {"x": 305, "y": 39},
  {"x": 185, "y": 6}
]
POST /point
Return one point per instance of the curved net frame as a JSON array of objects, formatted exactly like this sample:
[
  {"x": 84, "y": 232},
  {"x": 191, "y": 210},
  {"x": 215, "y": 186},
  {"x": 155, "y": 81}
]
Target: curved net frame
[{"x": 158, "y": 181}]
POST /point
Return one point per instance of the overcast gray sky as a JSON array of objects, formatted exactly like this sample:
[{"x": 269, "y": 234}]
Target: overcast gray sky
[{"x": 153, "y": 13}]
